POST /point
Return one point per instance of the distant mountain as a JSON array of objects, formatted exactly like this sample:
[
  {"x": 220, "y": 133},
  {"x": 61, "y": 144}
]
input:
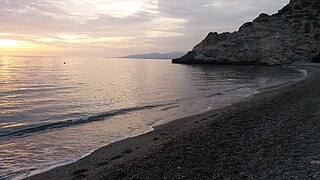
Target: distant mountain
[{"x": 171, "y": 55}]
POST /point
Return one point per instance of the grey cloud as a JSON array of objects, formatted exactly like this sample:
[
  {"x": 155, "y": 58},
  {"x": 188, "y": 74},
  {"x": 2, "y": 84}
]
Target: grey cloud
[
  {"x": 204, "y": 16},
  {"x": 206, "y": 12},
  {"x": 49, "y": 17}
]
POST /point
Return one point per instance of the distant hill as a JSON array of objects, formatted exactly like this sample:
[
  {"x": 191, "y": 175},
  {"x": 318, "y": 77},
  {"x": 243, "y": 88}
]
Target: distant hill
[{"x": 171, "y": 55}]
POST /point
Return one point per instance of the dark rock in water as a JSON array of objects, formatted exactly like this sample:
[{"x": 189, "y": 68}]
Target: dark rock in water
[{"x": 292, "y": 34}]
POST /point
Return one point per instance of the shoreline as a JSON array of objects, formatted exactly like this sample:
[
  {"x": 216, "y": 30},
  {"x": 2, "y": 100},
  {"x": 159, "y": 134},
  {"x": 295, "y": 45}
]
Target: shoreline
[
  {"x": 42, "y": 169},
  {"x": 130, "y": 149}
]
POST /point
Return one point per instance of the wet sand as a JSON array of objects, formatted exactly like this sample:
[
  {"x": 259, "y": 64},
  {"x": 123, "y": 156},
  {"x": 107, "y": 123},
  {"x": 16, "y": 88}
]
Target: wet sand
[{"x": 275, "y": 135}]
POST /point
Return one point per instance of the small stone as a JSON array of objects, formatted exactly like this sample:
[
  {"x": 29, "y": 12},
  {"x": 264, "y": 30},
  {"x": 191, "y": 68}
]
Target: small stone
[{"x": 316, "y": 162}]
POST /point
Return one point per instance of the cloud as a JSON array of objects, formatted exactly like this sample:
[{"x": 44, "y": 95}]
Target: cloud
[
  {"x": 204, "y": 13},
  {"x": 123, "y": 26}
]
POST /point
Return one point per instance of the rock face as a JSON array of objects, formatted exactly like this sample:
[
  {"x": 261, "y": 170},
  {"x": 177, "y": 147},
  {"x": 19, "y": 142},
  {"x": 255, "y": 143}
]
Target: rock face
[{"x": 292, "y": 34}]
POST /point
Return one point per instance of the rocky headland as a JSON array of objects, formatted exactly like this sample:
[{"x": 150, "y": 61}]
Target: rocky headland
[{"x": 291, "y": 35}]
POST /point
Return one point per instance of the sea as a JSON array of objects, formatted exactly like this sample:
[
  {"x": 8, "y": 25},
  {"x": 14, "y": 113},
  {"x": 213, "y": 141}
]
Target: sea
[{"x": 56, "y": 110}]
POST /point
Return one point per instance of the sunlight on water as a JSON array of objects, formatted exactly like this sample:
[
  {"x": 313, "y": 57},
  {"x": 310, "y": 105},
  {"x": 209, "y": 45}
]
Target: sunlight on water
[{"x": 55, "y": 110}]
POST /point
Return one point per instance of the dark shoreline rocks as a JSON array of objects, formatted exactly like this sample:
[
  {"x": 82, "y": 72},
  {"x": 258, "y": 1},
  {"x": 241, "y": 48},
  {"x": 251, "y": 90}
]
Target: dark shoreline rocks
[{"x": 291, "y": 35}]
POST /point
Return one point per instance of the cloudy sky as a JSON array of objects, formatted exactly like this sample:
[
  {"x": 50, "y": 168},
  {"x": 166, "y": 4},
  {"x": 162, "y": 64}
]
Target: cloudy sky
[{"x": 118, "y": 27}]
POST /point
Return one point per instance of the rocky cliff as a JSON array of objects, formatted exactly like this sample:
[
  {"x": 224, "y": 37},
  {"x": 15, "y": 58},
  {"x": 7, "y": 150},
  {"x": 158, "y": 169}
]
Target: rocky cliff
[{"x": 292, "y": 34}]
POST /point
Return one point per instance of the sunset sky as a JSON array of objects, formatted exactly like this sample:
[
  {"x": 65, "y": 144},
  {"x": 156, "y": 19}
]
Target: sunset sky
[{"x": 118, "y": 27}]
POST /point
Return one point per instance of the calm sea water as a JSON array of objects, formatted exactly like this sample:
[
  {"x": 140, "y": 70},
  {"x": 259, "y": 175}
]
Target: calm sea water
[{"x": 56, "y": 110}]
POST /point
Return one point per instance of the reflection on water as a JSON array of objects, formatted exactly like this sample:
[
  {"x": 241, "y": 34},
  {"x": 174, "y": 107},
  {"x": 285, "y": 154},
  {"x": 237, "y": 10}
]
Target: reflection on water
[{"x": 74, "y": 107}]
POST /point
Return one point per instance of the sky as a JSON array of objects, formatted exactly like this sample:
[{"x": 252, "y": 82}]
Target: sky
[{"x": 108, "y": 28}]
